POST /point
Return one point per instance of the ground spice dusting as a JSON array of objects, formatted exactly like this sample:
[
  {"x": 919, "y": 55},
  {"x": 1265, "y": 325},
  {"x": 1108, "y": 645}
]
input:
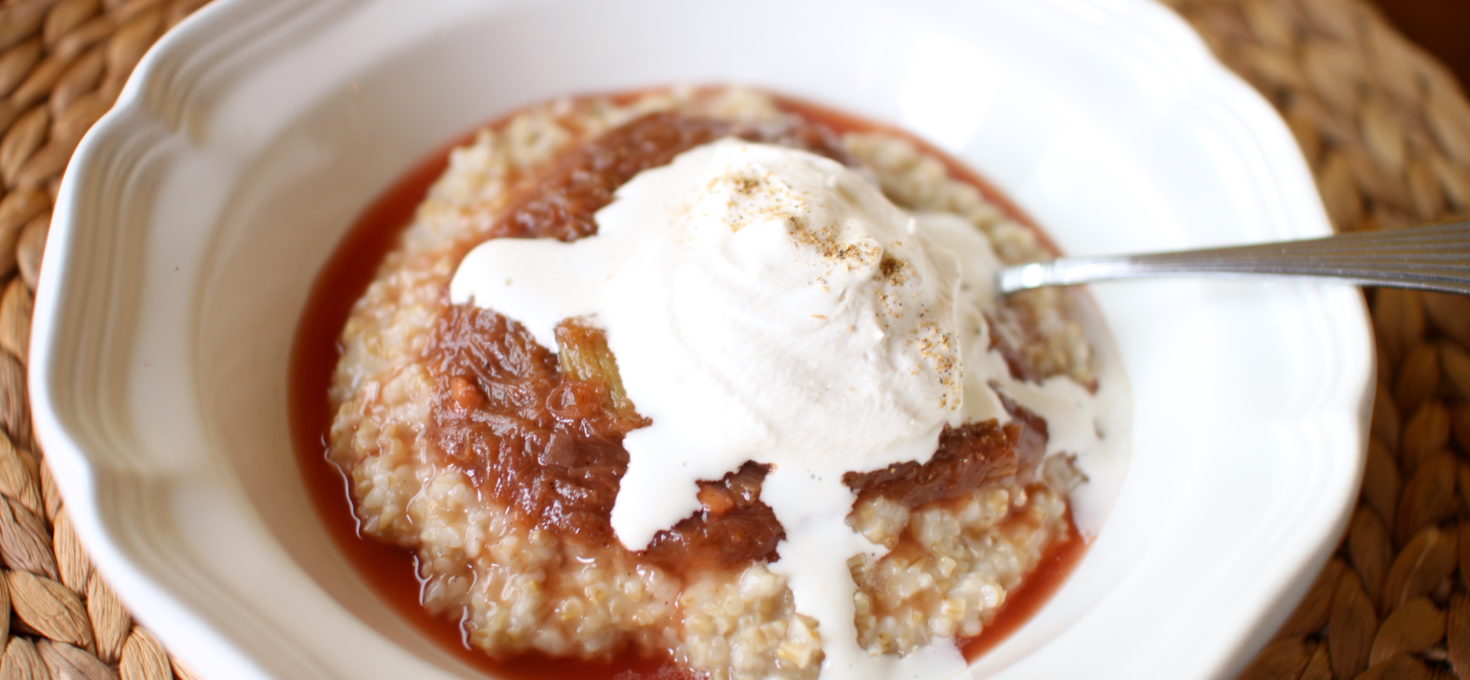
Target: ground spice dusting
[{"x": 891, "y": 269}]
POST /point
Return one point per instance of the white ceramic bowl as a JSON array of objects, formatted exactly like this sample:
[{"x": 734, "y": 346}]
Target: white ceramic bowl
[{"x": 197, "y": 212}]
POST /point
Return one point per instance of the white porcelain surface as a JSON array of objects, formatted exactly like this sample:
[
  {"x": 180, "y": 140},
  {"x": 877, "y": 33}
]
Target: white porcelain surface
[{"x": 196, "y": 214}]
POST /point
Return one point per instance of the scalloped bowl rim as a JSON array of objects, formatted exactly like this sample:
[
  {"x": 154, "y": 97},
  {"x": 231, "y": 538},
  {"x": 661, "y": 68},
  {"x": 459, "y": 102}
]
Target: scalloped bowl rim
[{"x": 86, "y": 433}]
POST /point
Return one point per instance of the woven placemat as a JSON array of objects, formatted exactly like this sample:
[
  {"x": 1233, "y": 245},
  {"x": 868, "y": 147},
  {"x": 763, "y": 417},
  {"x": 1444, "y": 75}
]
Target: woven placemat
[{"x": 1387, "y": 132}]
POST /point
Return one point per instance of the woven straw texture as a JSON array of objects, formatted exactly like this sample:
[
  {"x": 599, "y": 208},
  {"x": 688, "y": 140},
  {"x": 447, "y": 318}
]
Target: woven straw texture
[{"x": 1385, "y": 128}]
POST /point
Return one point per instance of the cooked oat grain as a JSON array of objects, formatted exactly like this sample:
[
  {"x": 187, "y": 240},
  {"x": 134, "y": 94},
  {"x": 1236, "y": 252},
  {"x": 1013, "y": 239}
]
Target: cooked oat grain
[{"x": 526, "y": 589}]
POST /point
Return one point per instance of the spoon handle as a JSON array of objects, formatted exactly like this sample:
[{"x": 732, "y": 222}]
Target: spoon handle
[{"x": 1435, "y": 257}]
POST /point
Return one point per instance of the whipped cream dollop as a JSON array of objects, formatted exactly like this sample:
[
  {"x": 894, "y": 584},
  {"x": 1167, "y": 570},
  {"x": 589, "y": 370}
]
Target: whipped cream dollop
[{"x": 768, "y": 304}]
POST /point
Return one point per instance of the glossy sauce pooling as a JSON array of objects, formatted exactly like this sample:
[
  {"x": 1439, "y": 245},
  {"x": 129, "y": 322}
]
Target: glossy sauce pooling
[
  {"x": 390, "y": 570},
  {"x": 547, "y": 443},
  {"x": 968, "y": 457}
]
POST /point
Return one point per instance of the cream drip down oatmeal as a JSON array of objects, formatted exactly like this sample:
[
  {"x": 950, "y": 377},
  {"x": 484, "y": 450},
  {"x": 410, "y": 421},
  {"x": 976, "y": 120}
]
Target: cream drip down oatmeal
[{"x": 692, "y": 375}]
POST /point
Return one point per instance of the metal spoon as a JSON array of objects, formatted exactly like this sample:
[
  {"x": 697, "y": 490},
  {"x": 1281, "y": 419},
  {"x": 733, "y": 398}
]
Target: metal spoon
[{"x": 1435, "y": 257}]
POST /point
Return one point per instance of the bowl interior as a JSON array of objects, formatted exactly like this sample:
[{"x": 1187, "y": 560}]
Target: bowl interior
[{"x": 271, "y": 125}]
